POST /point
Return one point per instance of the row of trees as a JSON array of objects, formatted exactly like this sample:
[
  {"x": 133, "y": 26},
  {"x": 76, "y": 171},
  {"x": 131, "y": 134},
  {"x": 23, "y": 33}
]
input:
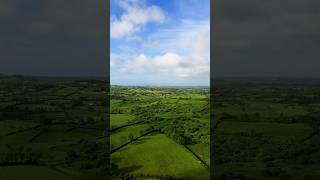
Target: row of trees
[{"x": 11, "y": 155}]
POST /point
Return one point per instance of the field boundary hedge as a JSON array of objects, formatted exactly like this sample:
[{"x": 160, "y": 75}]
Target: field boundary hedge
[
  {"x": 129, "y": 142},
  {"x": 127, "y": 125},
  {"x": 196, "y": 155}
]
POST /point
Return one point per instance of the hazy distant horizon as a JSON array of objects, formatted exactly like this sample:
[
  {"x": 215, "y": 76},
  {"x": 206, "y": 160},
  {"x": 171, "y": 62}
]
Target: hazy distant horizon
[{"x": 154, "y": 84}]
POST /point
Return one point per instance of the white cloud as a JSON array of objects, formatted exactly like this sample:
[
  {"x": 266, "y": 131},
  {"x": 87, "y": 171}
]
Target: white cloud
[
  {"x": 201, "y": 43},
  {"x": 190, "y": 37},
  {"x": 169, "y": 64},
  {"x": 184, "y": 50},
  {"x": 179, "y": 50},
  {"x": 136, "y": 15},
  {"x": 137, "y": 65},
  {"x": 168, "y": 60},
  {"x": 113, "y": 58}
]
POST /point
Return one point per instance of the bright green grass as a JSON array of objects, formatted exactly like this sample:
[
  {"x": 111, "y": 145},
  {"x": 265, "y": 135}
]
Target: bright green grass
[
  {"x": 31, "y": 173},
  {"x": 120, "y": 119},
  {"x": 296, "y": 130},
  {"x": 159, "y": 155},
  {"x": 204, "y": 120},
  {"x": 134, "y": 130}
]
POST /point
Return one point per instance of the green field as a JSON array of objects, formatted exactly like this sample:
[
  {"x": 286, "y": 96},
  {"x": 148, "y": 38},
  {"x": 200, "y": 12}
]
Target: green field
[
  {"x": 202, "y": 150},
  {"x": 118, "y": 120},
  {"x": 177, "y": 118},
  {"x": 159, "y": 155},
  {"x": 266, "y": 129},
  {"x": 51, "y": 128},
  {"x": 34, "y": 173},
  {"x": 135, "y": 131},
  {"x": 295, "y": 130}
]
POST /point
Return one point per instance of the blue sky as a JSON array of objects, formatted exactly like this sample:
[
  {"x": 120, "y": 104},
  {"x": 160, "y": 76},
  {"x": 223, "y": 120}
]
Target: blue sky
[{"x": 162, "y": 43}]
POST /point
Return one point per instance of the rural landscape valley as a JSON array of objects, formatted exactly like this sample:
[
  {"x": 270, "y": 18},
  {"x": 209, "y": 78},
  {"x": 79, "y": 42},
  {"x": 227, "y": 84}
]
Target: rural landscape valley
[
  {"x": 160, "y": 132},
  {"x": 52, "y": 128},
  {"x": 56, "y": 128}
]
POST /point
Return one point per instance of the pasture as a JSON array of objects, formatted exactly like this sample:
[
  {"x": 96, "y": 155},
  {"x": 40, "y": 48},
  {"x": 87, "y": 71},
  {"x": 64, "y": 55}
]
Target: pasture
[{"x": 159, "y": 155}]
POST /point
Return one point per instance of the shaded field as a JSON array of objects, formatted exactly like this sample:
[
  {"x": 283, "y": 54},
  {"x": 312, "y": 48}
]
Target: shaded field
[
  {"x": 33, "y": 172},
  {"x": 122, "y": 135},
  {"x": 266, "y": 129},
  {"x": 296, "y": 130},
  {"x": 51, "y": 128},
  {"x": 202, "y": 150}
]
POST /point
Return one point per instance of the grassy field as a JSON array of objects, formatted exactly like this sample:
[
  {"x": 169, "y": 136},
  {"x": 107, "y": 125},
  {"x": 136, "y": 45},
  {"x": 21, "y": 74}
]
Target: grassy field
[
  {"x": 176, "y": 117},
  {"x": 202, "y": 150},
  {"x": 118, "y": 120},
  {"x": 50, "y": 128},
  {"x": 266, "y": 129},
  {"x": 295, "y": 130},
  {"x": 159, "y": 155},
  {"x": 134, "y": 130},
  {"x": 34, "y": 173}
]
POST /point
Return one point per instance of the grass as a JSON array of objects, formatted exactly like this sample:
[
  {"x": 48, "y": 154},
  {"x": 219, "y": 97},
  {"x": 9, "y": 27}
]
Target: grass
[
  {"x": 31, "y": 172},
  {"x": 75, "y": 135},
  {"x": 159, "y": 155},
  {"x": 295, "y": 130},
  {"x": 202, "y": 150},
  {"x": 120, "y": 119},
  {"x": 264, "y": 108},
  {"x": 125, "y": 132},
  {"x": 9, "y": 126},
  {"x": 257, "y": 169},
  {"x": 19, "y": 138}
]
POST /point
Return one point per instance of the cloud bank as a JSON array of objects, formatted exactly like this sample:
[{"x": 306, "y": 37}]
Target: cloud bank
[
  {"x": 168, "y": 47},
  {"x": 136, "y": 15}
]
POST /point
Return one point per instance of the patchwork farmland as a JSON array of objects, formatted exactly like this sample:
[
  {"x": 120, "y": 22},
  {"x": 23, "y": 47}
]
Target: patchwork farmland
[
  {"x": 52, "y": 128},
  {"x": 160, "y": 133},
  {"x": 266, "y": 129}
]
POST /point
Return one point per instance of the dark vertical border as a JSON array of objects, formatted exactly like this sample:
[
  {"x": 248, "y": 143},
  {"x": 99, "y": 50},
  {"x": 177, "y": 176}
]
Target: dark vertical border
[
  {"x": 211, "y": 91},
  {"x": 107, "y": 25}
]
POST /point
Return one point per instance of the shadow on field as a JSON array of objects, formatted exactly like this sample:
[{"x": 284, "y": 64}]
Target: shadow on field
[
  {"x": 130, "y": 169},
  {"x": 116, "y": 159},
  {"x": 197, "y": 174},
  {"x": 140, "y": 141},
  {"x": 136, "y": 142}
]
